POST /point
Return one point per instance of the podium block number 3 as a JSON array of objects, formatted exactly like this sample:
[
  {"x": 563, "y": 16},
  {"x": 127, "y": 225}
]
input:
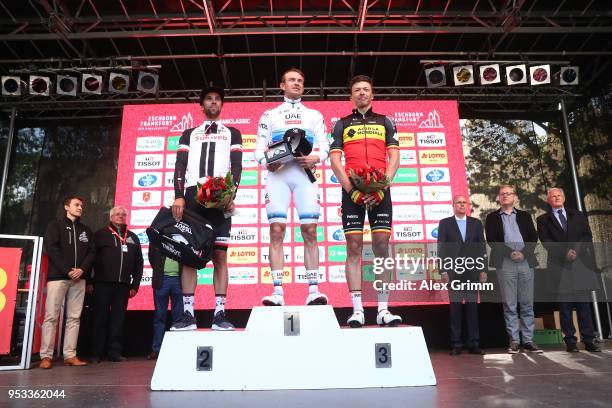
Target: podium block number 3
[
  {"x": 204, "y": 359},
  {"x": 382, "y": 355},
  {"x": 292, "y": 323}
]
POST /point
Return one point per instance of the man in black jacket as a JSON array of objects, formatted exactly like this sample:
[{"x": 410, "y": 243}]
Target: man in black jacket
[
  {"x": 567, "y": 237},
  {"x": 513, "y": 238},
  {"x": 461, "y": 238},
  {"x": 117, "y": 273},
  {"x": 70, "y": 249}
]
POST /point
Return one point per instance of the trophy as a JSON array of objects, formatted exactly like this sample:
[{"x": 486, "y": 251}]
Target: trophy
[{"x": 294, "y": 144}]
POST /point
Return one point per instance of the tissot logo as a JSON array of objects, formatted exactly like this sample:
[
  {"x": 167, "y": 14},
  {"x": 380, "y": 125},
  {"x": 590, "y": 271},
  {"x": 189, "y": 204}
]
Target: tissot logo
[
  {"x": 408, "y": 232},
  {"x": 148, "y": 161},
  {"x": 426, "y": 139},
  {"x": 244, "y": 235}
]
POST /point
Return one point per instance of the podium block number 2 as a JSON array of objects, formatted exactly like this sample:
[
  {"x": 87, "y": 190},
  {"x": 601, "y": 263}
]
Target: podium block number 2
[
  {"x": 382, "y": 354},
  {"x": 204, "y": 359},
  {"x": 292, "y": 323}
]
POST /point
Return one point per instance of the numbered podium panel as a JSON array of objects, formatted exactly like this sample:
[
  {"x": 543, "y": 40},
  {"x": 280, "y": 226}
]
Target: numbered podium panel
[{"x": 293, "y": 348}]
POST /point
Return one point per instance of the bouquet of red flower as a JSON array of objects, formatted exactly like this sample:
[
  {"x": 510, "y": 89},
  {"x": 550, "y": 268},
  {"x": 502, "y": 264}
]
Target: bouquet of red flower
[
  {"x": 216, "y": 192},
  {"x": 369, "y": 179}
]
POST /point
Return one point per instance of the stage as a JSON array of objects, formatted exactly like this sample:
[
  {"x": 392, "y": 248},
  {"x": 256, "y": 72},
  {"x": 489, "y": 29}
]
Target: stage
[{"x": 555, "y": 379}]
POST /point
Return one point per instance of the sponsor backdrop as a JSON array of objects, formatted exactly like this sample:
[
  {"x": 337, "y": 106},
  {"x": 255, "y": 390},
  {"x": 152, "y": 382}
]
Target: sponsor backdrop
[
  {"x": 9, "y": 274},
  {"x": 431, "y": 170}
]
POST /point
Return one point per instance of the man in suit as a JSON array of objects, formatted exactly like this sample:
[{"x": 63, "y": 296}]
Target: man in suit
[
  {"x": 461, "y": 236},
  {"x": 513, "y": 237},
  {"x": 567, "y": 237}
]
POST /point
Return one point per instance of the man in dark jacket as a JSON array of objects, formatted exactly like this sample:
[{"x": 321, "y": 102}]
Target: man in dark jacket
[
  {"x": 69, "y": 246},
  {"x": 461, "y": 238},
  {"x": 116, "y": 277},
  {"x": 166, "y": 284},
  {"x": 513, "y": 238},
  {"x": 567, "y": 237}
]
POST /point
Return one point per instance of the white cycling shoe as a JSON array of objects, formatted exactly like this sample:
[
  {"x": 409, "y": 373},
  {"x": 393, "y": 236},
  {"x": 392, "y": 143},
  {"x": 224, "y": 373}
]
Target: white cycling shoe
[
  {"x": 316, "y": 298},
  {"x": 386, "y": 318},
  {"x": 356, "y": 320},
  {"x": 273, "y": 300}
]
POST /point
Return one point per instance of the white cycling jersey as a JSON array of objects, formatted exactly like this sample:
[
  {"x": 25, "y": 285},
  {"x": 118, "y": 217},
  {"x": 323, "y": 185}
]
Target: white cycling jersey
[{"x": 291, "y": 178}]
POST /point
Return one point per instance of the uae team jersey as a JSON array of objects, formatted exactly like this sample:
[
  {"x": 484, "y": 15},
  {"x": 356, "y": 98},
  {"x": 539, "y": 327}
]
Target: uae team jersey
[
  {"x": 291, "y": 114},
  {"x": 208, "y": 152}
]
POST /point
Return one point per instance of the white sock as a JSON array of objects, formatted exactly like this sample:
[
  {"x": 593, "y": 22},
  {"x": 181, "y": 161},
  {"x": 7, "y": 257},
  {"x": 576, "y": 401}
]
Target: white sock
[
  {"x": 313, "y": 279},
  {"x": 277, "y": 279},
  {"x": 219, "y": 303},
  {"x": 383, "y": 300},
  {"x": 356, "y": 298},
  {"x": 188, "y": 303}
]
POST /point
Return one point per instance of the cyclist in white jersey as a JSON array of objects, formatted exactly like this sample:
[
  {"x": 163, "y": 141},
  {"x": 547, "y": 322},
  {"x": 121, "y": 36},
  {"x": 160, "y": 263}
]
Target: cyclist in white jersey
[{"x": 291, "y": 178}]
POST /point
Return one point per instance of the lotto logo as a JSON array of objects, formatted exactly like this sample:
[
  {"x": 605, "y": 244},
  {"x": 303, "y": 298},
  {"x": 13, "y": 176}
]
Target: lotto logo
[
  {"x": 406, "y": 139},
  {"x": 243, "y": 255},
  {"x": 248, "y": 141},
  {"x": 3, "y": 281},
  {"x": 433, "y": 157},
  {"x": 266, "y": 275}
]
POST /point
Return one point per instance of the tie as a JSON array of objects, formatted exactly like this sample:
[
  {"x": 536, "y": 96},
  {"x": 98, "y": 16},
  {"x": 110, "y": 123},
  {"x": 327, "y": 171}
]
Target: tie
[
  {"x": 562, "y": 219},
  {"x": 212, "y": 128}
]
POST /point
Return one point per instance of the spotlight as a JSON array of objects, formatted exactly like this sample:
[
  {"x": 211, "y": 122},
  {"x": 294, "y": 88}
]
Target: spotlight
[
  {"x": 516, "y": 74},
  {"x": 489, "y": 74},
  {"x": 118, "y": 82},
  {"x": 91, "y": 83},
  {"x": 463, "y": 75},
  {"x": 147, "y": 82},
  {"x": 66, "y": 85},
  {"x": 539, "y": 74},
  {"x": 39, "y": 85},
  {"x": 568, "y": 76},
  {"x": 435, "y": 77},
  {"x": 11, "y": 85}
]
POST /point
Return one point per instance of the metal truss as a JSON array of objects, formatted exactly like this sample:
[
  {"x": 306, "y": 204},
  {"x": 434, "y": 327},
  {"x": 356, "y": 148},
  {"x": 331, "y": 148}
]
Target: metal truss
[
  {"x": 230, "y": 17},
  {"x": 502, "y": 99}
]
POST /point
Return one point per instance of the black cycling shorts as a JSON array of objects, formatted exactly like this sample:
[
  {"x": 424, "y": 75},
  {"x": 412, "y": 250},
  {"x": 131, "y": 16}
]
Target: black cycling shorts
[
  {"x": 221, "y": 225},
  {"x": 353, "y": 215}
]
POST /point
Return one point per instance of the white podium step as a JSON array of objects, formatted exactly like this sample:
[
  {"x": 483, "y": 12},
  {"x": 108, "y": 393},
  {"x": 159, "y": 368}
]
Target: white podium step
[{"x": 293, "y": 347}]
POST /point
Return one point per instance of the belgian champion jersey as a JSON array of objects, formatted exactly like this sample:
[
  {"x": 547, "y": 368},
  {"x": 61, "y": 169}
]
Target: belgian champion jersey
[{"x": 364, "y": 139}]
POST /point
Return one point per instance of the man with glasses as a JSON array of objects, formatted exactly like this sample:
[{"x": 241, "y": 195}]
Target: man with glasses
[{"x": 513, "y": 237}]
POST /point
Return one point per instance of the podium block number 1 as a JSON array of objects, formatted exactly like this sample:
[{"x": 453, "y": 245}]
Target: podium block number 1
[
  {"x": 382, "y": 355},
  {"x": 204, "y": 358},
  {"x": 292, "y": 323}
]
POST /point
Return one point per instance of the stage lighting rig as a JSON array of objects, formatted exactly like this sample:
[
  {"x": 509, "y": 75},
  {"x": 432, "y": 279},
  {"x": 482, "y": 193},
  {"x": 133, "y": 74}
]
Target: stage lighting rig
[{"x": 435, "y": 76}]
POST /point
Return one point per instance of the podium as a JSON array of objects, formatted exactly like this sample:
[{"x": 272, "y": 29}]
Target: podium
[{"x": 293, "y": 347}]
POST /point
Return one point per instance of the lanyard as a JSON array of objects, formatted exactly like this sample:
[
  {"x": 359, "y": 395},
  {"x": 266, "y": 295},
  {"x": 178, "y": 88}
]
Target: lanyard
[{"x": 122, "y": 240}]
